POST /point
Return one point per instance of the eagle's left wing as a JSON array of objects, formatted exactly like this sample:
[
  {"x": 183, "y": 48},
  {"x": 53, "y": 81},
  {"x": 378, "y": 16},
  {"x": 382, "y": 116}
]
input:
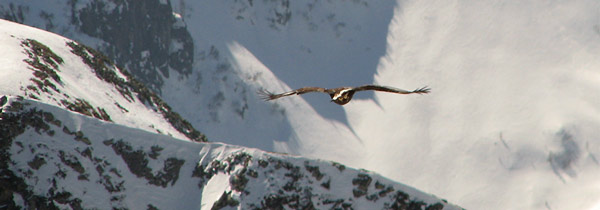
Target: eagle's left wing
[
  {"x": 392, "y": 89},
  {"x": 267, "y": 96}
]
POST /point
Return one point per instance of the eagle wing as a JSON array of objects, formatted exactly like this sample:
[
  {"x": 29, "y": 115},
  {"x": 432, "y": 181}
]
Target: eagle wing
[
  {"x": 392, "y": 89},
  {"x": 267, "y": 96}
]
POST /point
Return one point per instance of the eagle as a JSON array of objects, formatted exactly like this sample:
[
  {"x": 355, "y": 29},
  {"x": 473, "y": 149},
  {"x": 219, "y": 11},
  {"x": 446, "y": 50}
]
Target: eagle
[{"x": 341, "y": 95}]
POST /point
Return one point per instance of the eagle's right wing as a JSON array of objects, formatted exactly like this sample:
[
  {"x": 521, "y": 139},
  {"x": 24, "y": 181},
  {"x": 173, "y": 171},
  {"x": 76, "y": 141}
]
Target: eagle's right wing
[
  {"x": 267, "y": 96},
  {"x": 392, "y": 89}
]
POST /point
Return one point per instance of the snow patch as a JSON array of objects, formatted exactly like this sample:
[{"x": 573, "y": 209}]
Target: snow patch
[{"x": 214, "y": 189}]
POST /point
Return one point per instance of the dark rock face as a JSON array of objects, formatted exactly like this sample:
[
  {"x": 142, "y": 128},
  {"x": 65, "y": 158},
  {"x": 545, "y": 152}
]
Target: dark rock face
[
  {"x": 299, "y": 186},
  {"x": 137, "y": 162},
  {"x": 84, "y": 162},
  {"x": 15, "y": 13},
  {"x": 143, "y": 36},
  {"x": 12, "y": 182}
]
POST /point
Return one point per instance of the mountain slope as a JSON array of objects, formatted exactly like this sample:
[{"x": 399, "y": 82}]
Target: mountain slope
[
  {"x": 510, "y": 121},
  {"x": 322, "y": 40},
  {"x": 78, "y": 133},
  {"x": 53, "y": 158},
  {"x": 61, "y": 72},
  {"x": 513, "y": 115}
]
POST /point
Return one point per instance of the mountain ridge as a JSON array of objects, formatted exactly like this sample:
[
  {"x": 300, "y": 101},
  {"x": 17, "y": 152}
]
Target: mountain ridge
[
  {"x": 56, "y": 82},
  {"x": 53, "y": 158},
  {"x": 62, "y": 148},
  {"x": 511, "y": 120}
]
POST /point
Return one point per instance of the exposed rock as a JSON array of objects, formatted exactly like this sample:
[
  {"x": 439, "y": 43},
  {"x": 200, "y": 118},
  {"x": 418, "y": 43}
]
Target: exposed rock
[
  {"x": 137, "y": 162},
  {"x": 115, "y": 168},
  {"x": 143, "y": 36},
  {"x": 130, "y": 87}
]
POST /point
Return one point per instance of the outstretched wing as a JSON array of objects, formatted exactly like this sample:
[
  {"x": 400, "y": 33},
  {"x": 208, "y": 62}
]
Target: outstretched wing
[
  {"x": 267, "y": 96},
  {"x": 392, "y": 89}
]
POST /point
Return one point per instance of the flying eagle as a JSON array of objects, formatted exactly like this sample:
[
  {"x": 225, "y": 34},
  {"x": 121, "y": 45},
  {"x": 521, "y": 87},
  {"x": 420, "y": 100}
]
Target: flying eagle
[{"x": 341, "y": 95}]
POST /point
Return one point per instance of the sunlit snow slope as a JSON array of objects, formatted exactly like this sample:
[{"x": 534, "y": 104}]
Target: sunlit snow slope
[
  {"x": 58, "y": 71},
  {"x": 512, "y": 121},
  {"x": 244, "y": 46},
  {"x": 55, "y": 159},
  {"x": 239, "y": 47},
  {"x": 59, "y": 151}
]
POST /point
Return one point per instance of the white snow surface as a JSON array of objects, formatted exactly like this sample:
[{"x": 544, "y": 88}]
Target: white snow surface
[
  {"x": 106, "y": 170},
  {"x": 213, "y": 190},
  {"x": 78, "y": 81},
  {"x": 511, "y": 122}
]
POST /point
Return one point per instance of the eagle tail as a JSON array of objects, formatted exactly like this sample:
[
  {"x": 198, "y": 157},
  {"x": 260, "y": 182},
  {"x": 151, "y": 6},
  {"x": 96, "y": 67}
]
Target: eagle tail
[
  {"x": 266, "y": 95},
  {"x": 422, "y": 90}
]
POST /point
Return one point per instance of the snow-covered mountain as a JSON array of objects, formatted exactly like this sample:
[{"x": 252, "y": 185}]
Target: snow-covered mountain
[
  {"x": 76, "y": 132},
  {"x": 46, "y": 67},
  {"x": 55, "y": 159},
  {"x": 510, "y": 124},
  {"x": 230, "y": 55}
]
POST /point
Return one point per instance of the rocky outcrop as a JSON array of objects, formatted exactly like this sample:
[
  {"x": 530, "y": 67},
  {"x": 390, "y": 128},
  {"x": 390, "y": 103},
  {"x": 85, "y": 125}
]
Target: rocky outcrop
[{"x": 145, "y": 37}]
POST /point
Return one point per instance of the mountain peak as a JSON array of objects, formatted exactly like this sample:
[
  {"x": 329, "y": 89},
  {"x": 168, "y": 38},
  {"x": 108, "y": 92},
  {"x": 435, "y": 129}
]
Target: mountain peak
[{"x": 67, "y": 74}]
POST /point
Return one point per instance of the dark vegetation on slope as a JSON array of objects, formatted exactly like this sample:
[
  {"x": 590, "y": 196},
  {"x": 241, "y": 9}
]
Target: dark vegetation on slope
[
  {"x": 45, "y": 64},
  {"x": 43, "y": 61},
  {"x": 137, "y": 162},
  {"x": 289, "y": 184},
  {"x": 12, "y": 124},
  {"x": 298, "y": 190},
  {"x": 17, "y": 118},
  {"x": 105, "y": 70}
]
